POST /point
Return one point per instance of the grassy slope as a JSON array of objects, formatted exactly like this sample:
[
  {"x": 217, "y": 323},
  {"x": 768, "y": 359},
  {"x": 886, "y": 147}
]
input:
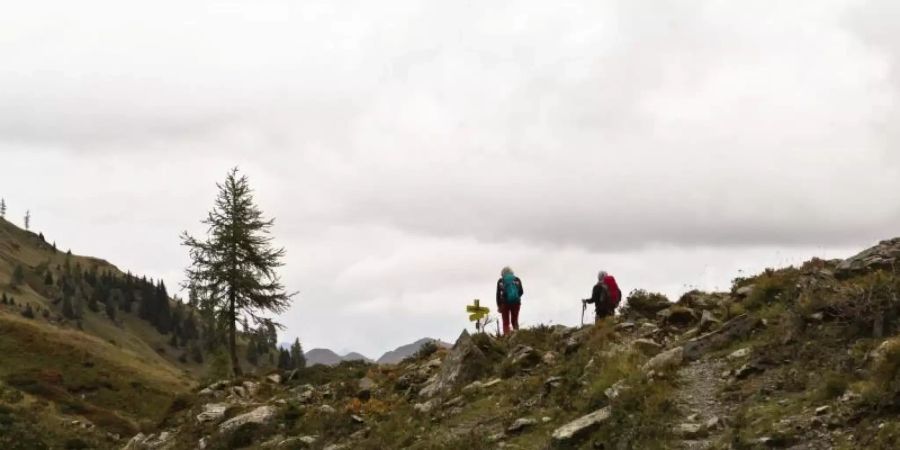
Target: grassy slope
[{"x": 111, "y": 374}]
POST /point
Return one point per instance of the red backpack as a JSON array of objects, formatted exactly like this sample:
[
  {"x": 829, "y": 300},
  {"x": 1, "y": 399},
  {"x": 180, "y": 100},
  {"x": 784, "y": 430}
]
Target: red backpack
[{"x": 614, "y": 290}]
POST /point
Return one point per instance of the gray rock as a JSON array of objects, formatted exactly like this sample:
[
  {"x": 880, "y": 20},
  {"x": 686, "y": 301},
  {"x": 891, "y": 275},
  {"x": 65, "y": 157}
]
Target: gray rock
[
  {"x": 212, "y": 412},
  {"x": 678, "y": 316},
  {"x": 822, "y": 410},
  {"x": 274, "y": 378},
  {"x": 524, "y": 357},
  {"x": 615, "y": 391},
  {"x": 739, "y": 354},
  {"x": 708, "y": 321},
  {"x": 260, "y": 415},
  {"x": 745, "y": 291},
  {"x": 366, "y": 386},
  {"x": 464, "y": 364},
  {"x": 161, "y": 441},
  {"x": 297, "y": 442},
  {"x": 550, "y": 358},
  {"x": 647, "y": 347},
  {"x": 327, "y": 409},
  {"x": 521, "y": 424},
  {"x": 425, "y": 407},
  {"x": 669, "y": 359},
  {"x": 690, "y": 431},
  {"x": 572, "y": 432}
]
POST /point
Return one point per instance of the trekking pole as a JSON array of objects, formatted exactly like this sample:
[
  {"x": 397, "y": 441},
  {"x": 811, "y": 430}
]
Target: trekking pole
[{"x": 583, "y": 308}]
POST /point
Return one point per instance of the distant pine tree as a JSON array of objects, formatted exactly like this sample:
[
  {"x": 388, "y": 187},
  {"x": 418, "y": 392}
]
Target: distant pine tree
[
  {"x": 284, "y": 360},
  {"x": 68, "y": 310},
  {"x": 298, "y": 359},
  {"x": 18, "y": 276},
  {"x": 252, "y": 353},
  {"x": 235, "y": 265},
  {"x": 111, "y": 310},
  {"x": 27, "y": 220},
  {"x": 2, "y": 208},
  {"x": 48, "y": 278},
  {"x": 28, "y": 312}
]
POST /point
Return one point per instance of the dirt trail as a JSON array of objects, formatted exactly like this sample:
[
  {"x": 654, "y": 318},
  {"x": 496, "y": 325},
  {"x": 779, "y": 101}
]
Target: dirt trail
[{"x": 699, "y": 400}]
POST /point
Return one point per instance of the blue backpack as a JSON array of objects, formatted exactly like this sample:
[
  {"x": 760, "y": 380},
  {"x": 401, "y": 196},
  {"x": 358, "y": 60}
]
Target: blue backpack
[{"x": 513, "y": 295}]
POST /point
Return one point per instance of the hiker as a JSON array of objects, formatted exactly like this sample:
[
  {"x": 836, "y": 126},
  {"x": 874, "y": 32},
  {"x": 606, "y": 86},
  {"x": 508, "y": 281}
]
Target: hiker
[
  {"x": 509, "y": 299},
  {"x": 605, "y": 296}
]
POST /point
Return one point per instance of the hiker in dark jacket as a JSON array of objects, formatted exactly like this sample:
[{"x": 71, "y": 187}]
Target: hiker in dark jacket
[
  {"x": 602, "y": 297},
  {"x": 509, "y": 299}
]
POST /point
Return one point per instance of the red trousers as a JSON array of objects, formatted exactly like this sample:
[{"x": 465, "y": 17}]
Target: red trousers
[{"x": 510, "y": 313}]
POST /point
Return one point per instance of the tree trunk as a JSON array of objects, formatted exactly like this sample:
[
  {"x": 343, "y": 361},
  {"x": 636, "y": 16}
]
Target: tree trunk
[{"x": 232, "y": 338}]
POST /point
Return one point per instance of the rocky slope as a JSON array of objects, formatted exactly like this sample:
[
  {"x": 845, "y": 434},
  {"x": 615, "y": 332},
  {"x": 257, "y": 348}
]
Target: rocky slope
[{"x": 802, "y": 358}]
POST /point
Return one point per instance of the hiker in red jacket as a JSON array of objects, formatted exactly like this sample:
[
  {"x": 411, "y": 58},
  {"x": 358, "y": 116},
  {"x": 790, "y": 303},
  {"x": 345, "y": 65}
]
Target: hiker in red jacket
[{"x": 605, "y": 296}]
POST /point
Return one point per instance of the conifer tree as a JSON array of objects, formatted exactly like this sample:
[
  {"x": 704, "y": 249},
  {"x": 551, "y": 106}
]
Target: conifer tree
[
  {"x": 48, "y": 278},
  {"x": 236, "y": 261},
  {"x": 28, "y": 312},
  {"x": 2, "y": 208},
  {"x": 111, "y": 310},
  {"x": 18, "y": 276},
  {"x": 68, "y": 311},
  {"x": 284, "y": 359},
  {"x": 298, "y": 359},
  {"x": 252, "y": 353},
  {"x": 27, "y": 220}
]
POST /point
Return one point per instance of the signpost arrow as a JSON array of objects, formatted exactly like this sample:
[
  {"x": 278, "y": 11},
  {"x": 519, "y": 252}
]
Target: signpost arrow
[{"x": 476, "y": 313}]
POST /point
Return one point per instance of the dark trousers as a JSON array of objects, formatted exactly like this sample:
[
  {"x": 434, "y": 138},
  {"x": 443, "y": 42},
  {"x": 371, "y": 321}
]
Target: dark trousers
[
  {"x": 603, "y": 312},
  {"x": 510, "y": 314}
]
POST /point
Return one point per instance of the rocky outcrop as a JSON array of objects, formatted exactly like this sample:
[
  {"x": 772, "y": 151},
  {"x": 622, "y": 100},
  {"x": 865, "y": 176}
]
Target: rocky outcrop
[
  {"x": 465, "y": 363},
  {"x": 885, "y": 255},
  {"x": 212, "y": 412},
  {"x": 571, "y": 433},
  {"x": 260, "y": 415}
]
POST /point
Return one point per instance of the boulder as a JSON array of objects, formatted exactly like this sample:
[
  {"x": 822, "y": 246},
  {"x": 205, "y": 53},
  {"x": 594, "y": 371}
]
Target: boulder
[
  {"x": 274, "y": 378},
  {"x": 464, "y": 364},
  {"x": 550, "y": 358},
  {"x": 425, "y": 407},
  {"x": 524, "y": 357},
  {"x": 736, "y": 328},
  {"x": 669, "y": 359},
  {"x": 573, "y": 432},
  {"x": 885, "y": 255},
  {"x": 521, "y": 424},
  {"x": 690, "y": 431},
  {"x": 745, "y": 291},
  {"x": 739, "y": 354},
  {"x": 678, "y": 316},
  {"x": 708, "y": 322},
  {"x": 260, "y": 415},
  {"x": 366, "y": 386},
  {"x": 212, "y": 412},
  {"x": 647, "y": 347}
]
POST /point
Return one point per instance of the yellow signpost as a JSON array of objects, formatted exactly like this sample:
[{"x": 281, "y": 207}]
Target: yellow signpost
[{"x": 477, "y": 313}]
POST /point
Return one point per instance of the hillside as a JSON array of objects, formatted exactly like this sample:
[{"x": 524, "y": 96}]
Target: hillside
[{"x": 800, "y": 358}]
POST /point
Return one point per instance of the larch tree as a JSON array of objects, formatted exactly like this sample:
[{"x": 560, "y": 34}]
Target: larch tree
[{"x": 235, "y": 264}]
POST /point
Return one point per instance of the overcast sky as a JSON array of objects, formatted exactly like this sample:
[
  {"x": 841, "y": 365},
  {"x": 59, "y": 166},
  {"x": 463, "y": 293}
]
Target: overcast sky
[{"x": 409, "y": 150}]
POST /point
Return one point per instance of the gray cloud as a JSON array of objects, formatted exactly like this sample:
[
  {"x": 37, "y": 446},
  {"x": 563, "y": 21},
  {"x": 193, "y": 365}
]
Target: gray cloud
[{"x": 410, "y": 150}]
